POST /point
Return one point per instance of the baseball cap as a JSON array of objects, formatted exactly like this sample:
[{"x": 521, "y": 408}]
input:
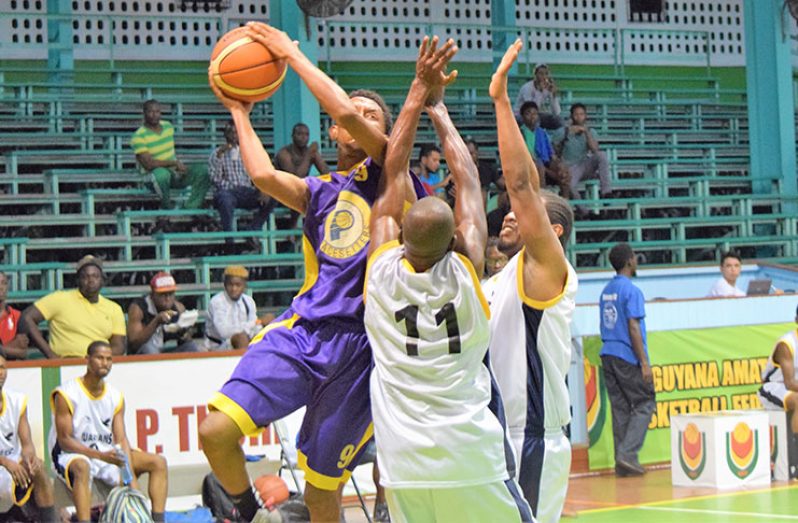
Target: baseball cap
[
  {"x": 163, "y": 282},
  {"x": 89, "y": 260}
]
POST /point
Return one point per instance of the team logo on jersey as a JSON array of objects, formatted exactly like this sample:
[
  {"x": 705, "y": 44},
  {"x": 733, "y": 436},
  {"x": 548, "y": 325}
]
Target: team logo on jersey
[
  {"x": 596, "y": 399},
  {"x": 8, "y": 436},
  {"x": 692, "y": 450},
  {"x": 107, "y": 422},
  {"x": 346, "y": 229},
  {"x": 742, "y": 450},
  {"x": 609, "y": 315}
]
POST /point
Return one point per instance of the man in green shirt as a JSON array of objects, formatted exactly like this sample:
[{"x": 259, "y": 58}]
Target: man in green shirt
[
  {"x": 579, "y": 150},
  {"x": 154, "y": 146}
]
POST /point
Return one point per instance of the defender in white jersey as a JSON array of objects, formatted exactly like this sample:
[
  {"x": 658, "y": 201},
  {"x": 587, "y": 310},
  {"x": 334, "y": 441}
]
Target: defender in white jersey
[
  {"x": 780, "y": 378},
  {"x": 440, "y": 447},
  {"x": 21, "y": 472},
  {"x": 532, "y": 303},
  {"x": 88, "y": 420}
]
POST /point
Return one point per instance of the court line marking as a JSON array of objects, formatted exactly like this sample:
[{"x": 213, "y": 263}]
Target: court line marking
[
  {"x": 720, "y": 512},
  {"x": 694, "y": 498}
]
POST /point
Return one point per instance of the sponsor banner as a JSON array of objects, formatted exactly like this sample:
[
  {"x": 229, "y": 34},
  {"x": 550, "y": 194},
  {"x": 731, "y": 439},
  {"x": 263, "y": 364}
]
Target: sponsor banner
[
  {"x": 720, "y": 450},
  {"x": 695, "y": 371}
]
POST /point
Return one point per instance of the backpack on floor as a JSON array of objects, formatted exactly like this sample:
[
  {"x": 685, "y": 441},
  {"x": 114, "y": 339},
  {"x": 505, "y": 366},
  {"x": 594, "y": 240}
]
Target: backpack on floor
[
  {"x": 126, "y": 505},
  {"x": 215, "y": 498}
]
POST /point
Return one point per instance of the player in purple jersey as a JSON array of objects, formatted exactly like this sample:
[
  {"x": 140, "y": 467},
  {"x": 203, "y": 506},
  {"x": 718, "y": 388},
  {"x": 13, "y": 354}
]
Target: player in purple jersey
[{"x": 316, "y": 354}]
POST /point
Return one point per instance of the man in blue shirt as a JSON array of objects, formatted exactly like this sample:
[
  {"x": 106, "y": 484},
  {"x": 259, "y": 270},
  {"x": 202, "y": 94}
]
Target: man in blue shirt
[{"x": 624, "y": 359}]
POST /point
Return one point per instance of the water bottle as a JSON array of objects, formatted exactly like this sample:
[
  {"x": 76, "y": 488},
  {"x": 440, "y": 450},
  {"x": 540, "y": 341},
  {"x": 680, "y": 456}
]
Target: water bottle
[{"x": 127, "y": 476}]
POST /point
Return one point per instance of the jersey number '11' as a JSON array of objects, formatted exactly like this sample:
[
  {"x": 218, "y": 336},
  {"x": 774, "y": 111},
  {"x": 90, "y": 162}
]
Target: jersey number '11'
[{"x": 447, "y": 314}]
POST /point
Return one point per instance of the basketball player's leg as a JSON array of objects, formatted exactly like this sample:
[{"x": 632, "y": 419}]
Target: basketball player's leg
[
  {"x": 791, "y": 406},
  {"x": 43, "y": 491},
  {"x": 157, "y": 483},
  {"x": 337, "y": 424},
  {"x": 268, "y": 383},
  {"x": 77, "y": 472}
]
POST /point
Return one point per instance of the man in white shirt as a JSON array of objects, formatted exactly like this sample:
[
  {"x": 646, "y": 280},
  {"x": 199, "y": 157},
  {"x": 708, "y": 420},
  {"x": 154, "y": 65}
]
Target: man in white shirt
[
  {"x": 730, "y": 266},
  {"x": 232, "y": 314}
]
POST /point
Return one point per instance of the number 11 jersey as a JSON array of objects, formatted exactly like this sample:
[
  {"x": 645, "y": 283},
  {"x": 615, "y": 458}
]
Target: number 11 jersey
[{"x": 430, "y": 386}]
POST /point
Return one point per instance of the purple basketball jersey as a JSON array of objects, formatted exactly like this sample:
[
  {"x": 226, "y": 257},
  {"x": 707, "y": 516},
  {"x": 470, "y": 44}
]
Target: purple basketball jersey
[{"x": 336, "y": 230}]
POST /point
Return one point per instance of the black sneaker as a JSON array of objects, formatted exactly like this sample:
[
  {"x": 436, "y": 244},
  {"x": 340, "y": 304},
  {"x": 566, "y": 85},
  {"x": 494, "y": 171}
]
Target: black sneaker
[{"x": 629, "y": 468}]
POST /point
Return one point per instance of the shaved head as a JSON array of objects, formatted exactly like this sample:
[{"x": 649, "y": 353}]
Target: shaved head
[{"x": 427, "y": 232}]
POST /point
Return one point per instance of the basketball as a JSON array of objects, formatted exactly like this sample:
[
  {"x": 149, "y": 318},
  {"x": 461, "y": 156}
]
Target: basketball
[
  {"x": 272, "y": 489},
  {"x": 244, "y": 69}
]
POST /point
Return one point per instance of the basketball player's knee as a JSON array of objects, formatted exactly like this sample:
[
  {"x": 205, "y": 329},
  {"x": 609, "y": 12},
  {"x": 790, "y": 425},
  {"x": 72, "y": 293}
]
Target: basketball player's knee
[
  {"x": 791, "y": 403},
  {"x": 217, "y": 430},
  {"x": 318, "y": 498},
  {"x": 79, "y": 471}
]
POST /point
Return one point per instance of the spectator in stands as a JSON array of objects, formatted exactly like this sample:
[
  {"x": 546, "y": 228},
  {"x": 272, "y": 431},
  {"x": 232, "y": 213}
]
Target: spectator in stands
[
  {"x": 77, "y": 317},
  {"x": 428, "y": 170},
  {"x": 578, "y": 147},
  {"x": 495, "y": 259},
  {"x": 88, "y": 421},
  {"x": 20, "y": 469},
  {"x": 154, "y": 146},
  {"x": 297, "y": 158},
  {"x": 232, "y": 314},
  {"x": 496, "y": 216},
  {"x": 730, "y": 266},
  {"x": 155, "y": 319},
  {"x": 779, "y": 389},
  {"x": 232, "y": 186},
  {"x": 539, "y": 145},
  {"x": 488, "y": 174},
  {"x": 624, "y": 360},
  {"x": 542, "y": 90},
  {"x": 14, "y": 344}
]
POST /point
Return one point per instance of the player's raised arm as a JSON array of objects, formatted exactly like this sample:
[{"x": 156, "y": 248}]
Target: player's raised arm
[
  {"x": 544, "y": 260},
  {"x": 286, "y": 188},
  {"x": 386, "y": 213},
  {"x": 471, "y": 234},
  {"x": 331, "y": 97}
]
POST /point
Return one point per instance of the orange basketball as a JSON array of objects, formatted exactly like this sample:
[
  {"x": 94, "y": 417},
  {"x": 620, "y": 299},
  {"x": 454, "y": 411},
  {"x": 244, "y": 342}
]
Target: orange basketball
[
  {"x": 272, "y": 489},
  {"x": 244, "y": 69}
]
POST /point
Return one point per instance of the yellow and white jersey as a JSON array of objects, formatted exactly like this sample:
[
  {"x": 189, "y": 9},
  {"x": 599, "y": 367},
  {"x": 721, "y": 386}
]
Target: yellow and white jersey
[
  {"x": 92, "y": 417},
  {"x": 14, "y": 405},
  {"x": 430, "y": 387},
  {"x": 772, "y": 372},
  {"x": 530, "y": 349}
]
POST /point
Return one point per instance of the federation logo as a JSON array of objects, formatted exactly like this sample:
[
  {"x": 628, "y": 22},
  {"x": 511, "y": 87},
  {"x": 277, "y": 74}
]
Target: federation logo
[
  {"x": 742, "y": 450},
  {"x": 692, "y": 451},
  {"x": 596, "y": 399},
  {"x": 346, "y": 229}
]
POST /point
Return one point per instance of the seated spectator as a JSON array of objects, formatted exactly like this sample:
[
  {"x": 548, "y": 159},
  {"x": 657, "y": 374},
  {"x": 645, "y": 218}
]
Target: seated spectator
[
  {"x": 77, "y": 317},
  {"x": 488, "y": 174},
  {"x": 232, "y": 314},
  {"x": 14, "y": 343},
  {"x": 297, "y": 158},
  {"x": 779, "y": 389},
  {"x": 495, "y": 260},
  {"x": 21, "y": 471},
  {"x": 549, "y": 167},
  {"x": 428, "y": 170},
  {"x": 88, "y": 422},
  {"x": 579, "y": 150},
  {"x": 155, "y": 319},
  {"x": 542, "y": 90},
  {"x": 496, "y": 216},
  {"x": 730, "y": 266},
  {"x": 154, "y": 146},
  {"x": 232, "y": 186}
]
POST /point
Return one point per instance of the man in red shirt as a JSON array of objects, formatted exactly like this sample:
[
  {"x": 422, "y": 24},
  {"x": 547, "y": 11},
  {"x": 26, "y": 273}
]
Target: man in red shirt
[{"x": 14, "y": 346}]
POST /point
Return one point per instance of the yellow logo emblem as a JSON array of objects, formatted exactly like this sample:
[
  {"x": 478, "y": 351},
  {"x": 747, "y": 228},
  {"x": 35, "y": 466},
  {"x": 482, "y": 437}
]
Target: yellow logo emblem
[{"x": 346, "y": 229}]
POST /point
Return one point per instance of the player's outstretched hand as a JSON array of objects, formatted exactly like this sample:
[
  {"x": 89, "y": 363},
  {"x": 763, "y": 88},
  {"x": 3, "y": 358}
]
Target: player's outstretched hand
[
  {"x": 432, "y": 61},
  {"x": 276, "y": 41},
  {"x": 498, "y": 83},
  {"x": 231, "y": 103}
]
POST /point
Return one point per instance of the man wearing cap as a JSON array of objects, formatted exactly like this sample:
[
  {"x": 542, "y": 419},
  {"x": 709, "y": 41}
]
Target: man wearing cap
[
  {"x": 232, "y": 314},
  {"x": 77, "y": 317},
  {"x": 152, "y": 319}
]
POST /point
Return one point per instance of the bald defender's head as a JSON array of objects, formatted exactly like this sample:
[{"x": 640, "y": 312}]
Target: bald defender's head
[{"x": 427, "y": 232}]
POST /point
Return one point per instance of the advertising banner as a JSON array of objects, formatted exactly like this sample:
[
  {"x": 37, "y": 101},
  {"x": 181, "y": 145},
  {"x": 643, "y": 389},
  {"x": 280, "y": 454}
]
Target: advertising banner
[{"x": 695, "y": 371}]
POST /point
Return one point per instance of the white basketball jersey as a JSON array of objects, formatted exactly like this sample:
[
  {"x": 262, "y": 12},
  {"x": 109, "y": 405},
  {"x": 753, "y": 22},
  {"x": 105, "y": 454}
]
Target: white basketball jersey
[
  {"x": 14, "y": 405},
  {"x": 530, "y": 349},
  {"x": 92, "y": 417},
  {"x": 430, "y": 387},
  {"x": 772, "y": 372}
]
